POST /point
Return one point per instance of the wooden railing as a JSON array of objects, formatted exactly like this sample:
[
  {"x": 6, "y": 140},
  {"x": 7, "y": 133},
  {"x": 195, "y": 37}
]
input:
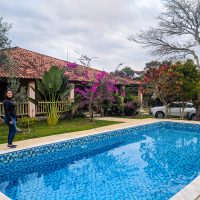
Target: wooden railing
[
  {"x": 21, "y": 108},
  {"x": 1, "y": 109},
  {"x": 41, "y": 107}
]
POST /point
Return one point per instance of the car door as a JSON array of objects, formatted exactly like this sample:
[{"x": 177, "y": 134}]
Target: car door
[
  {"x": 175, "y": 109},
  {"x": 189, "y": 108}
]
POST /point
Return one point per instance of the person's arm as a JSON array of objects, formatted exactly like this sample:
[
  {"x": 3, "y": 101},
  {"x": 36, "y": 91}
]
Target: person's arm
[{"x": 6, "y": 105}]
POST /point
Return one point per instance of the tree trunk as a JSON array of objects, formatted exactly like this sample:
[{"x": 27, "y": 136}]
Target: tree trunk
[
  {"x": 91, "y": 108},
  {"x": 197, "y": 60},
  {"x": 198, "y": 113},
  {"x": 166, "y": 110},
  {"x": 101, "y": 110}
]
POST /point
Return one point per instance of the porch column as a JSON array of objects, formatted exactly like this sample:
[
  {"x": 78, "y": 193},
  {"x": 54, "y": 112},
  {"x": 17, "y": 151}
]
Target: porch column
[
  {"x": 140, "y": 95},
  {"x": 31, "y": 94},
  {"x": 123, "y": 91},
  {"x": 71, "y": 96}
]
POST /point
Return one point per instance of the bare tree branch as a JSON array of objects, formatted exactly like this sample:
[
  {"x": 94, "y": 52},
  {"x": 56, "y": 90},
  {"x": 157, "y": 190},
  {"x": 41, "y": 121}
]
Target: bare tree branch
[
  {"x": 85, "y": 60},
  {"x": 180, "y": 20}
]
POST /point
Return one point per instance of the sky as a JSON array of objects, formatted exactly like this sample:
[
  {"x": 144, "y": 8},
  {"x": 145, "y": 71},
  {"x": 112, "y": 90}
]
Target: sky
[{"x": 96, "y": 28}]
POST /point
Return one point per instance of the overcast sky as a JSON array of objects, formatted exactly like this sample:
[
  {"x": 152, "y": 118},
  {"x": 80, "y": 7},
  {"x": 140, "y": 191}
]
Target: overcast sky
[{"x": 92, "y": 27}]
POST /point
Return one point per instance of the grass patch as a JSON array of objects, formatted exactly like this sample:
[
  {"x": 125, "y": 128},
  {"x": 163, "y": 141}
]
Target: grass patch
[
  {"x": 41, "y": 129},
  {"x": 143, "y": 117},
  {"x": 137, "y": 117}
]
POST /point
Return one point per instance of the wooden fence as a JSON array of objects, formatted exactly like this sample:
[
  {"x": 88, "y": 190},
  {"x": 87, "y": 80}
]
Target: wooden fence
[
  {"x": 41, "y": 108},
  {"x": 22, "y": 108}
]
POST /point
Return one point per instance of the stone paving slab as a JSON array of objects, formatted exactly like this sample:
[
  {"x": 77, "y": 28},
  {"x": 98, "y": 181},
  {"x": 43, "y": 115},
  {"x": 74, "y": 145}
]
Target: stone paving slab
[
  {"x": 189, "y": 192},
  {"x": 4, "y": 197}
]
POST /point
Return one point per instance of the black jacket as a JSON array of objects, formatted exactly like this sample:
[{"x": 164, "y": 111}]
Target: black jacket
[{"x": 9, "y": 108}]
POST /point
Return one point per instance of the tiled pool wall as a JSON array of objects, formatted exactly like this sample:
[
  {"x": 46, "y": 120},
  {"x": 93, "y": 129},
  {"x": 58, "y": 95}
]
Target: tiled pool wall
[
  {"x": 181, "y": 126},
  {"x": 76, "y": 148},
  {"x": 28, "y": 159},
  {"x": 87, "y": 143}
]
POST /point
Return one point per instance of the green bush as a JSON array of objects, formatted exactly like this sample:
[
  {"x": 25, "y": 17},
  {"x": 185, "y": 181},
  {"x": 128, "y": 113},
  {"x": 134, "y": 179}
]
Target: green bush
[
  {"x": 26, "y": 122},
  {"x": 132, "y": 105},
  {"x": 128, "y": 107},
  {"x": 117, "y": 107}
]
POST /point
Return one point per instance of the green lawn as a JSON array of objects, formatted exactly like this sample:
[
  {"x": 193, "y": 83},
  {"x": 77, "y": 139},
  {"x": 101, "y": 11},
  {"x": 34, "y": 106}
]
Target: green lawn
[
  {"x": 143, "y": 117},
  {"x": 41, "y": 129},
  {"x": 137, "y": 117}
]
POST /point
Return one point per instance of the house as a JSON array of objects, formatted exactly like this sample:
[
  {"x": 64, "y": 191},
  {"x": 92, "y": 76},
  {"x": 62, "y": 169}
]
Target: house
[{"x": 29, "y": 66}]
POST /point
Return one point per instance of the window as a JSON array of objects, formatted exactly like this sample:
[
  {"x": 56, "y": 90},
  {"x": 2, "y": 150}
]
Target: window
[{"x": 174, "y": 105}]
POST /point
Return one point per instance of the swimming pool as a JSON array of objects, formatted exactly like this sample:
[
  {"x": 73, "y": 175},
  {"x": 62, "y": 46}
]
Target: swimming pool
[{"x": 152, "y": 161}]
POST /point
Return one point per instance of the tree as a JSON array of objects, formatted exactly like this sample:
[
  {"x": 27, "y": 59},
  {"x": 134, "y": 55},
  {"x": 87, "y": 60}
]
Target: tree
[
  {"x": 4, "y": 40},
  {"x": 164, "y": 83},
  {"x": 98, "y": 94},
  {"x": 126, "y": 72},
  {"x": 19, "y": 92},
  {"x": 53, "y": 87},
  {"x": 7, "y": 63},
  {"x": 85, "y": 60},
  {"x": 155, "y": 63},
  {"x": 178, "y": 32},
  {"x": 190, "y": 79}
]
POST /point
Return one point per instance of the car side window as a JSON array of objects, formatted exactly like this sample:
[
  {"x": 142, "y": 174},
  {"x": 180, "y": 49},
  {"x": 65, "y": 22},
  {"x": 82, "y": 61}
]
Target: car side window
[
  {"x": 174, "y": 105},
  {"x": 181, "y": 105}
]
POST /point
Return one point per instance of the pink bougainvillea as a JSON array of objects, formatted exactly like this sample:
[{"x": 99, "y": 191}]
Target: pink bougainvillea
[{"x": 95, "y": 93}]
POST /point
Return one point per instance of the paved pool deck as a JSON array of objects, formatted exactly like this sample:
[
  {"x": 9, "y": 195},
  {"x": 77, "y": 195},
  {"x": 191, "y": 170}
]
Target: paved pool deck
[{"x": 190, "y": 192}]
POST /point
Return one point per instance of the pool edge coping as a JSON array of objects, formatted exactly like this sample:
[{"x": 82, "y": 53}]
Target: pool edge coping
[
  {"x": 189, "y": 192},
  {"x": 4, "y": 197}
]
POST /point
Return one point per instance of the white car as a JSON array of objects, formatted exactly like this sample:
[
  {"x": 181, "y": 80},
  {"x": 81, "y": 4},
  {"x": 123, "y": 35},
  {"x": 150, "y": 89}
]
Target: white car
[{"x": 175, "y": 110}]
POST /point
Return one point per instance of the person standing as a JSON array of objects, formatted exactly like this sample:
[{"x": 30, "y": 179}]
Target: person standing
[{"x": 10, "y": 116}]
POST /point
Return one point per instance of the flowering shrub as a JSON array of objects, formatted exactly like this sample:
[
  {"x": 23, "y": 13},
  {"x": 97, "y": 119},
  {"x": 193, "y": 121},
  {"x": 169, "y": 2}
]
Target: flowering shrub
[
  {"x": 132, "y": 105},
  {"x": 102, "y": 94},
  {"x": 164, "y": 82},
  {"x": 71, "y": 65},
  {"x": 98, "y": 94}
]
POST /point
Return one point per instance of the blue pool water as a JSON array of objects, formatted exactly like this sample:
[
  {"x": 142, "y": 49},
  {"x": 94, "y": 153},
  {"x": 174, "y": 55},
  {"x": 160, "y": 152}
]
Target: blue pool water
[{"x": 149, "y": 162}]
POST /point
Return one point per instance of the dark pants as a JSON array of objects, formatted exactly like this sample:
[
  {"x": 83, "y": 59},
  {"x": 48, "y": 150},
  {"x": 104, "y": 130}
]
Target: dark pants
[{"x": 12, "y": 129}]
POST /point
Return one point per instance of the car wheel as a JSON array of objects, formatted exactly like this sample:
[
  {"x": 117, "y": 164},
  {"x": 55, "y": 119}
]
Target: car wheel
[
  {"x": 193, "y": 117},
  {"x": 160, "y": 115}
]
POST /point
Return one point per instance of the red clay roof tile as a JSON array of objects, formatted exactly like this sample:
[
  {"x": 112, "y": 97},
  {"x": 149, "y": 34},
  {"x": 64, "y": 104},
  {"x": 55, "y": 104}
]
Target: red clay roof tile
[{"x": 31, "y": 65}]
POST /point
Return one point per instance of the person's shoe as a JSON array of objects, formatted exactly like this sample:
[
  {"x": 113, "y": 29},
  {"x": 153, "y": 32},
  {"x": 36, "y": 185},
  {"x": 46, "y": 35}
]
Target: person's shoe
[{"x": 12, "y": 146}]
